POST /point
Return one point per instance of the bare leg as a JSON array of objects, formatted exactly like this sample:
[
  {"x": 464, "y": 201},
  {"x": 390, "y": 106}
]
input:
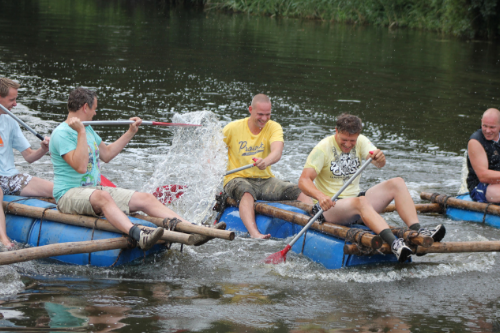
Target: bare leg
[
  {"x": 304, "y": 198},
  {"x": 3, "y": 229},
  {"x": 348, "y": 210},
  {"x": 38, "y": 187},
  {"x": 247, "y": 214},
  {"x": 493, "y": 193},
  {"x": 102, "y": 202},
  {"x": 380, "y": 195},
  {"x": 148, "y": 204}
]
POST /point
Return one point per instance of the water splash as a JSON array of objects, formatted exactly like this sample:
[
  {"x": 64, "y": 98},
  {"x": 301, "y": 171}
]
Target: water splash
[
  {"x": 430, "y": 265},
  {"x": 10, "y": 281},
  {"x": 197, "y": 160}
]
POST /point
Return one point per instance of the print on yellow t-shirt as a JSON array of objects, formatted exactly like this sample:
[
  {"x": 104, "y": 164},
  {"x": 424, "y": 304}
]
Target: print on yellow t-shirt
[{"x": 243, "y": 145}]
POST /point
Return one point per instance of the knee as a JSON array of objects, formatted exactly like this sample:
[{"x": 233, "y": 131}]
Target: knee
[
  {"x": 397, "y": 182},
  {"x": 359, "y": 203},
  {"x": 101, "y": 198},
  {"x": 247, "y": 196}
]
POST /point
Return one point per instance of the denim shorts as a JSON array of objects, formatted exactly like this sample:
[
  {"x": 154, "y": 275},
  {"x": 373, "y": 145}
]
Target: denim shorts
[{"x": 478, "y": 194}]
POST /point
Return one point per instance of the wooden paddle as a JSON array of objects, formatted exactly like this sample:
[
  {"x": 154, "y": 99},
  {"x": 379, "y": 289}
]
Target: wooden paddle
[{"x": 280, "y": 256}]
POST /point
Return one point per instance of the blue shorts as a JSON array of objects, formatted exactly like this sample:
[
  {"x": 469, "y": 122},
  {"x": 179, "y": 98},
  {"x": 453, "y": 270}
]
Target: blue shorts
[{"x": 478, "y": 194}]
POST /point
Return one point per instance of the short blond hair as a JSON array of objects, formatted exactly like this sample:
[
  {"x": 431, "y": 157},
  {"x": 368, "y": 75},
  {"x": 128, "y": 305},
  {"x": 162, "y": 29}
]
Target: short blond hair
[
  {"x": 6, "y": 84},
  {"x": 260, "y": 98}
]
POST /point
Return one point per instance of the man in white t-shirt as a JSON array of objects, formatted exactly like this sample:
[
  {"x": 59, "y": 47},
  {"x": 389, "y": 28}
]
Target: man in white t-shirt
[
  {"x": 11, "y": 181},
  {"x": 333, "y": 161}
]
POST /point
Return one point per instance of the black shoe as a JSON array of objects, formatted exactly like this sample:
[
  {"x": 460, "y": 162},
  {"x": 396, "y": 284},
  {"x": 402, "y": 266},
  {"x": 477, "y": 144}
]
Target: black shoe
[
  {"x": 401, "y": 250},
  {"x": 436, "y": 233}
]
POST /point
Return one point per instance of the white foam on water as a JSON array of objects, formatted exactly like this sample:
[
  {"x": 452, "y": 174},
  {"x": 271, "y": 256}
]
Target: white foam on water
[
  {"x": 10, "y": 281},
  {"x": 421, "y": 268},
  {"x": 197, "y": 160}
]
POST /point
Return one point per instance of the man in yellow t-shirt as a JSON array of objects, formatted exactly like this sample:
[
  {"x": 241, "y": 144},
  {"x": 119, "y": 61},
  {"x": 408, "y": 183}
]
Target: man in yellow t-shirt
[
  {"x": 333, "y": 161},
  {"x": 261, "y": 138}
]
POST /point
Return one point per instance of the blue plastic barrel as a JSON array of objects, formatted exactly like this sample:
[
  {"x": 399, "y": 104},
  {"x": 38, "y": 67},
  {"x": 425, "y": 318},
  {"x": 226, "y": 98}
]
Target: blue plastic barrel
[
  {"x": 319, "y": 247},
  {"x": 35, "y": 232}
]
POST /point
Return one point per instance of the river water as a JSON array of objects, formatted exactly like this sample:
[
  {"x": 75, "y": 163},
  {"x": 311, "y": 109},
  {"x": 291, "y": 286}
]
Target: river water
[{"x": 420, "y": 96}]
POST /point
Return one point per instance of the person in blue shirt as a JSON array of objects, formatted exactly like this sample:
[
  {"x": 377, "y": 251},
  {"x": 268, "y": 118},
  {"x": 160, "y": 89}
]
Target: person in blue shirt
[
  {"x": 12, "y": 181},
  {"x": 76, "y": 151}
]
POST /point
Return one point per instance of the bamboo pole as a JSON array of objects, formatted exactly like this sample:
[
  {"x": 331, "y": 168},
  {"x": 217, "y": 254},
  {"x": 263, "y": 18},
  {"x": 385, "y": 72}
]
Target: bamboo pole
[
  {"x": 462, "y": 204},
  {"x": 60, "y": 249},
  {"x": 438, "y": 247},
  {"x": 202, "y": 239},
  {"x": 369, "y": 240},
  {"x": 296, "y": 203},
  {"x": 190, "y": 228},
  {"x": 420, "y": 240},
  {"x": 330, "y": 228},
  {"x": 85, "y": 221},
  {"x": 421, "y": 208}
]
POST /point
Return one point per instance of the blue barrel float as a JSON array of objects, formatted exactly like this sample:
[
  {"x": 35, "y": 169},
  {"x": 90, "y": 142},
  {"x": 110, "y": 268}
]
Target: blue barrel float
[
  {"x": 470, "y": 215},
  {"x": 34, "y": 232},
  {"x": 319, "y": 247}
]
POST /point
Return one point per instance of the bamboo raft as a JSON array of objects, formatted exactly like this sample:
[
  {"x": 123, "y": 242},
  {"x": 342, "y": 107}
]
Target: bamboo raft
[
  {"x": 86, "y": 240},
  {"x": 462, "y": 208},
  {"x": 334, "y": 246}
]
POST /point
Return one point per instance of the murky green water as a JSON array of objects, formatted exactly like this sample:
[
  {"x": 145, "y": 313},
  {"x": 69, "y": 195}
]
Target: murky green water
[{"x": 419, "y": 94}]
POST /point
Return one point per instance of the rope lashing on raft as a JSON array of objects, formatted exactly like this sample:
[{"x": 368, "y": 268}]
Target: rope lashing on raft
[
  {"x": 486, "y": 211},
  {"x": 315, "y": 209},
  {"x": 41, "y": 222},
  {"x": 354, "y": 236},
  {"x": 446, "y": 197},
  {"x": 220, "y": 205},
  {"x": 304, "y": 242},
  {"x": 41, "y": 219},
  {"x": 400, "y": 233},
  {"x": 445, "y": 205},
  {"x": 170, "y": 225},
  {"x": 92, "y": 238},
  {"x": 131, "y": 244}
]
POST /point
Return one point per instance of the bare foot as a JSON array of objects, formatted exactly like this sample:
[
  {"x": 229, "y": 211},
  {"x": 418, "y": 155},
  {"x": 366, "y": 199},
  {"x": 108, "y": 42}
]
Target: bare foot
[
  {"x": 9, "y": 246},
  {"x": 261, "y": 236}
]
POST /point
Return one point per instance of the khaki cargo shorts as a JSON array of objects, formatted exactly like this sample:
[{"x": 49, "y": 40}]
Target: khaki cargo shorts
[
  {"x": 270, "y": 189},
  {"x": 77, "y": 200},
  {"x": 14, "y": 185}
]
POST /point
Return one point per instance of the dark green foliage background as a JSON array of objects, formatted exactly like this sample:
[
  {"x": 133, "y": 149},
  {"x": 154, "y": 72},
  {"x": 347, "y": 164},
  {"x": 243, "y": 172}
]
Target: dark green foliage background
[{"x": 474, "y": 19}]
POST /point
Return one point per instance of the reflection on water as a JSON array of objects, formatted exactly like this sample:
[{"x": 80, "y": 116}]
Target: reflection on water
[{"x": 420, "y": 97}]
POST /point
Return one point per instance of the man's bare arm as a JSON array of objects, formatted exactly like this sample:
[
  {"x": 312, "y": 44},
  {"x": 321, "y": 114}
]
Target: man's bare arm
[
  {"x": 31, "y": 155},
  {"x": 479, "y": 162},
  {"x": 108, "y": 152},
  {"x": 306, "y": 185},
  {"x": 78, "y": 159},
  {"x": 273, "y": 157}
]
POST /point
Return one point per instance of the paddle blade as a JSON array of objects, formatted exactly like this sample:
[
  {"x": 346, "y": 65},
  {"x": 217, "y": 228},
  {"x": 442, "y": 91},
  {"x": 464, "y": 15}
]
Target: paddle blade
[
  {"x": 278, "y": 257},
  {"x": 106, "y": 182},
  {"x": 168, "y": 193}
]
